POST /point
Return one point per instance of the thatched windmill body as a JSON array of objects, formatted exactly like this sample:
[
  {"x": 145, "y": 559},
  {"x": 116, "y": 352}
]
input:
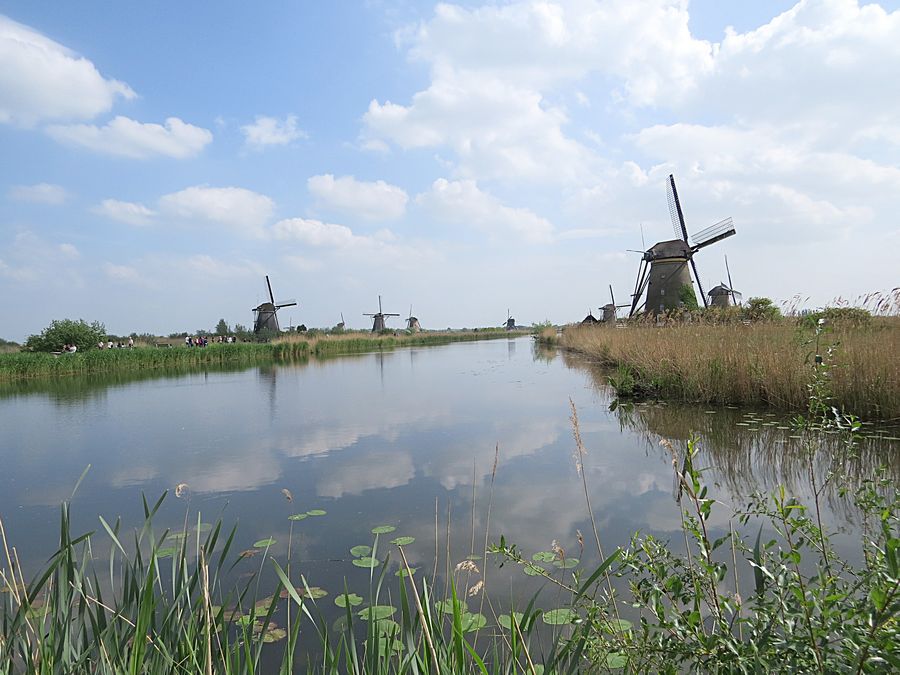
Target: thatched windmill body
[
  {"x": 265, "y": 315},
  {"x": 378, "y": 318},
  {"x": 665, "y": 270},
  {"x": 412, "y": 323},
  {"x": 609, "y": 309}
]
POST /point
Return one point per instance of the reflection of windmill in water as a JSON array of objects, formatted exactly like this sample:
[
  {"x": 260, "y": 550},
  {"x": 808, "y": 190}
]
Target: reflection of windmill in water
[
  {"x": 412, "y": 323},
  {"x": 266, "y": 314},
  {"x": 378, "y": 319},
  {"x": 725, "y": 296},
  {"x": 664, "y": 273},
  {"x": 510, "y": 321}
]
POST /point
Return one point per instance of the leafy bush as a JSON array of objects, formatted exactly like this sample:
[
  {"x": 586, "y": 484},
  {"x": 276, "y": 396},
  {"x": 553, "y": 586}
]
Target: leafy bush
[
  {"x": 839, "y": 316},
  {"x": 66, "y": 331},
  {"x": 761, "y": 309},
  {"x": 687, "y": 297}
]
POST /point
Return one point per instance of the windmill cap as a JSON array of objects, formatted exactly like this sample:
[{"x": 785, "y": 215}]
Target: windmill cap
[{"x": 674, "y": 248}]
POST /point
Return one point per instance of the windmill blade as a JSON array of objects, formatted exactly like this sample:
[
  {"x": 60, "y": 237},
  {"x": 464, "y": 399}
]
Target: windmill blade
[
  {"x": 389, "y": 314},
  {"x": 379, "y": 304},
  {"x": 611, "y": 296},
  {"x": 410, "y": 311},
  {"x": 271, "y": 296},
  {"x": 675, "y": 210},
  {"x": 285, "y": 303},
  {"x": 721, "y": 230},
  {"x": 699, "y": 285},
  {"x": 730, "y": 285},
  {"x": 342, "y": 317}
]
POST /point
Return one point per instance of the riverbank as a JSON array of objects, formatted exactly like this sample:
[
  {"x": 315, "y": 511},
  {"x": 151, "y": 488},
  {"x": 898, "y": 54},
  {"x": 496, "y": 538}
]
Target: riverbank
[
  {"x": 762, "y": 364},
  {"x": 24, "y": 365}
]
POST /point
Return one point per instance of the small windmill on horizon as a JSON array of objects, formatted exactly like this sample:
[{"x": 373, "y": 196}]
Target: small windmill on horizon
[
  {"x": 265, "y": 315},
  {"x": 412, "y": 323},
  {"x": 378, "y": 318}
]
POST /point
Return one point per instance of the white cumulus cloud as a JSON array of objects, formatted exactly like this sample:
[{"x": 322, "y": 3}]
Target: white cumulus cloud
[
  {"x": 314, "y": 232},
  {"x": 237, "y": 208},
  {"x": 368, "y": 200},
  {"x": 42, "y": 193},
  {"x": 269, "y": 131},
  {"x": 41, "y": 80},
  {"x": 126, "y": 137},
  {"x": 130, "y": 213}
]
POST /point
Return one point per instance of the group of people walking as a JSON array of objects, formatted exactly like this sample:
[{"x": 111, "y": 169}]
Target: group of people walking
[{"x": 117, "y": 345}]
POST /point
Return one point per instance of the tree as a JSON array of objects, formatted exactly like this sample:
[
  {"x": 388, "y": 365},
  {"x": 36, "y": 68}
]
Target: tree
[
  {"x": 761, "y": 309},
  {"x": 222, "y": 328},
  {"x": 687, "y": 297},
  {"x": 66, "y": 331}
]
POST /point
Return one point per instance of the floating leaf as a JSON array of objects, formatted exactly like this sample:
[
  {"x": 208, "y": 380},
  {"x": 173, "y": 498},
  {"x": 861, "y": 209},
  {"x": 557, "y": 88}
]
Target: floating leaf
[
  {"x": 446, "y": 606},
  {"x": 262, "y": 606},
  {"x": 544, "y": 556},
  {"x": 472, "y": 622},
  {"x": 345, "y": 599},
  {"x": 298, "y": 516},
  {"x": 366, "y": 562},
  {"x": 403, "y": 573},
  {"x": 314, "y": 592},
  {"x": 316, "y": 512},
  {"x": 274, "y": 634},
  {"x": 505, "y": 621},
  {"x": 403, "y": 541},
  {"x": 618, "y": 625},
  {"x": 558, "y": 617},
  {"x": 566, "y": 563},
  {"x": 388, "y": 644},
  {"x": 383, "y": 529},
  {"x": 167, "y": 552},
  {"x": 232, "y": 615},
  {"x": 387, "y": 627},
  {"x": 264, "y": 543},
  {"x": 376, "y": 612},
  {"x": 203, "y": 527},
  {"x": 177, "y": 536},
  {"x": 360, "y": 551}
]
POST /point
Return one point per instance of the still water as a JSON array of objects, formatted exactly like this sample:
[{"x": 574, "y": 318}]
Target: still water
[{"x": 403, "y": 438}]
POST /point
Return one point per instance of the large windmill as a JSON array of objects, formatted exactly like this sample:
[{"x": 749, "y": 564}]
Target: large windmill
[
  {"x": 412, "y": 323},
  {"x": 722, "y": 295},
  {"x": 265, "y": 316},
  {"x": 378, "y": 319},
  {"x": 664, "y": 273},
  {"x": 609, "y": 309}
]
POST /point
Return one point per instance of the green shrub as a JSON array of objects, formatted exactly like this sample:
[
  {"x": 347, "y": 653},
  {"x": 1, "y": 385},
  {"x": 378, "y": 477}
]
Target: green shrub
[
  {"x": 761, "y": 309},
  {"x": 66, "y": 331}
]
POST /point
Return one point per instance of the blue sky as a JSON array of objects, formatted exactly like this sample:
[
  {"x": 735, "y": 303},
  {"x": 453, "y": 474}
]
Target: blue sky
[{"x": 160, "y": 158}]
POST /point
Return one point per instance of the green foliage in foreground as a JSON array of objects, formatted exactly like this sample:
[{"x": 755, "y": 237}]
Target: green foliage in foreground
[{"x": 66, "y": 331}]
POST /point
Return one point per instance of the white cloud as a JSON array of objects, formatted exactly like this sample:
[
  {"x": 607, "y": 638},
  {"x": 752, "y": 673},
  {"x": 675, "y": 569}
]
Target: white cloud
[
  {"x": 370, "y": 201},
  {"x": 463, "y": 203},
  {"x": 130, "y": 213},
  {"x": 269, "y": 131},
  {"x": 69, "y": 251},
  {"x": 237, "y": 208},
  {"x": 126, "y": 137},
  {"x": 314, "y": 233},
  {"x": 124, "y": 273},
  {"x": 42, "y": 80},
  {"x": 42, "y": 193}
]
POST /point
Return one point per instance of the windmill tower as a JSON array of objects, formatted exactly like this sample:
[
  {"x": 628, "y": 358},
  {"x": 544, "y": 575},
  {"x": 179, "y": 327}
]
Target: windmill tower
[
  {"x": 664, "y": 272},
  {"x": 412, "y": 323},
  {"x": 510, "y": 321},
  {"x": 725, "y": 296},
  {"x": 378, "y": 319},
  {"x": 265, "y": 316},
  {"x": 340, "y": 326},
  {"x": 609, "y": 309}
]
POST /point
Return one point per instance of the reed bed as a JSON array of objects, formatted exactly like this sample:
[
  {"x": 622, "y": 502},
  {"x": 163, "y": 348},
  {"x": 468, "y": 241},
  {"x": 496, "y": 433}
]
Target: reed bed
[
  {"x": 767, "y": 364},
  {"x": 24, "y": 365}
]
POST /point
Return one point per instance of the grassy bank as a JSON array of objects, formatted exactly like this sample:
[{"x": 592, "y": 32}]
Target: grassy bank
[
  {"x": 24, "y": 365},
  {"x": 760, "y": 364},
  {"x": 161, "y": 601}
]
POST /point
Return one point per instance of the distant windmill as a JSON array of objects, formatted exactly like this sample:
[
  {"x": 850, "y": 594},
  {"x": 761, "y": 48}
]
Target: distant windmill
[
  {"x": 590, "y": 319},
  {"x": 609, "y": 309},
  {"x": 663, "y": 272},
  {"x": 412, "y": 323},
  {"x": 266, "y": 314},
  {"x": 378, "y": 319},
  {"x": 340, "y": 326},
  {"x": 510, "y": 321},
  {"x": 725, "y": 296}
]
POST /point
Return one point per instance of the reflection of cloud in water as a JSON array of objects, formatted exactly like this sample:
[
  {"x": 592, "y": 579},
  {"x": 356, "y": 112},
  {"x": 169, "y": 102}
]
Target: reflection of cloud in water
[{"x": 352, "y": 475}]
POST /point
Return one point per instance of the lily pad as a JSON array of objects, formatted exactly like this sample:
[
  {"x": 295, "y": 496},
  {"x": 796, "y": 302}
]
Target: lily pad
[
  {"x": 403, "y": 541},
  {"x": 387, "y": 627},
  {"x": 314, "y": 592},
  {"x": 177, "y": 536},
  {"x": 316, "y": 512},
  {"x": 446, "y": 606},
  {"x": 262, "y": 606},
  {"x": 299, "y": 516},
  {"x": 472, "y": 622},
  {"x": 274, "y": 634},
  {"x": 403, "y": 573},
  {"x": 249, "y": 553},
  {"x": 360, "y": 551},
  {"x": 558, "y": 617},
  {"x": 366, "y": 562},
  {"x": 166, "y": 552},
  {"x": 505, "y": 621},
  {"x": 388, "y": 644},
  {"x": 376, "y": 612},
  {"x": 345, "y": 599},
  {"x": 544, "y": 556},
  {"x": 264, "y": 543},
  {"x": 383, "y": 529},
  {"x": 566, "y": 563}
]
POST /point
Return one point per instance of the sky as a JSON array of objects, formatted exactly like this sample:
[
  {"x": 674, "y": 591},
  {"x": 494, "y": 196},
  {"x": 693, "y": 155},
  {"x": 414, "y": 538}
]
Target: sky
[{"x": 157, "y": 160}]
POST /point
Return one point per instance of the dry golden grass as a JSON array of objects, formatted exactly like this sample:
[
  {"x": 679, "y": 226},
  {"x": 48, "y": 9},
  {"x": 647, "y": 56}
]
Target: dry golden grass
[{"x": 766, "y": 363}]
